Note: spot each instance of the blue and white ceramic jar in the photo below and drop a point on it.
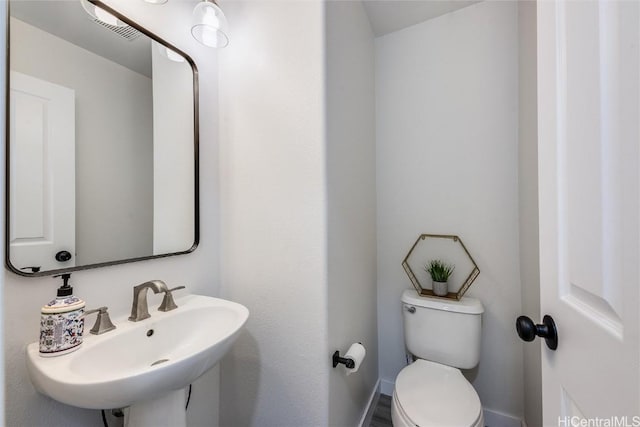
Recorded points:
(61, 326)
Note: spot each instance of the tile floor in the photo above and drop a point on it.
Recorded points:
(382, 413)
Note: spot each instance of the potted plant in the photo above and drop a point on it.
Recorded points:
(440, 273)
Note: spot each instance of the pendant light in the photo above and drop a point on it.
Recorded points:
(209, 24)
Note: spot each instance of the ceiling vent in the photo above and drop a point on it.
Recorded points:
(126, 32)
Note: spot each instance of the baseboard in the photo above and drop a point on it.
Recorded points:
(367, 416)
(498, 419)
(386, 387)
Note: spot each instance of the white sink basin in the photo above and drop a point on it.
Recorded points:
(141, 361)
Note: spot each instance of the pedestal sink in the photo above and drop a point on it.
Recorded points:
(143, 365)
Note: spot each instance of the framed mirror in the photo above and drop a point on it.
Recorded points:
(101, 143)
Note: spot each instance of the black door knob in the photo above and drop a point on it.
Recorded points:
(63, 256)
(527, 330)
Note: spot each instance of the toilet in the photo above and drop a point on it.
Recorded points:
(444, 337)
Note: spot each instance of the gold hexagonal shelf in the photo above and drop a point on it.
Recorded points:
(447, 248)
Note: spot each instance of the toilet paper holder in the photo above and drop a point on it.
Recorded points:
(349, 363)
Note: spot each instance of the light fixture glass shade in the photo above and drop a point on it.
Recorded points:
(101, 15)
(156, 1)
(209, 25)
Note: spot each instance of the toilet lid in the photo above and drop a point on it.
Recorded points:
(435, 395)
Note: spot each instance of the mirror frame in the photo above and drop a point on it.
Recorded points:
(196, 140)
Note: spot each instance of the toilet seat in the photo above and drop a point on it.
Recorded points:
(428, 394)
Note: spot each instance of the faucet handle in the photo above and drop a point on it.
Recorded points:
(103, 322)
(168, 303)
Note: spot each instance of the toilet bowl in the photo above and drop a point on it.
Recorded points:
(429, 394)
(443, 335)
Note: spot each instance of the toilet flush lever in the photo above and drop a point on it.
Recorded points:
(411, 309)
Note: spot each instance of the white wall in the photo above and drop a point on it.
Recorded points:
(447, 163)
(115, 222)
(350, 112)
(274, 220)
(528, 191)
(112, 286)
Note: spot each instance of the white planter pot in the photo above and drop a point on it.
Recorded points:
(440, 289)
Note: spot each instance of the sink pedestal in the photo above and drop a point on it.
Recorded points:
(168, 410)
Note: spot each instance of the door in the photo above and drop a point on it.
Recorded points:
(589, 121)
(42, 181)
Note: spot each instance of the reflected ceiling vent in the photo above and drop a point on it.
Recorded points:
(125, 32)
(109, 21)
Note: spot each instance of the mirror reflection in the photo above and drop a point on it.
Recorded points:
(102, 140)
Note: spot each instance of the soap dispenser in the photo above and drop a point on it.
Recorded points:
(62, 322)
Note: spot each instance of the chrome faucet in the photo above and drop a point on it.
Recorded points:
(140, 308)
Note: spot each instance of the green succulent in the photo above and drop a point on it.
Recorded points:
(439, 270)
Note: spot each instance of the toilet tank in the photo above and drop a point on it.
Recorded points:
(442, 330)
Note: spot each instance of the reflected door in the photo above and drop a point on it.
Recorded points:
(42, 146)
(588, 96)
